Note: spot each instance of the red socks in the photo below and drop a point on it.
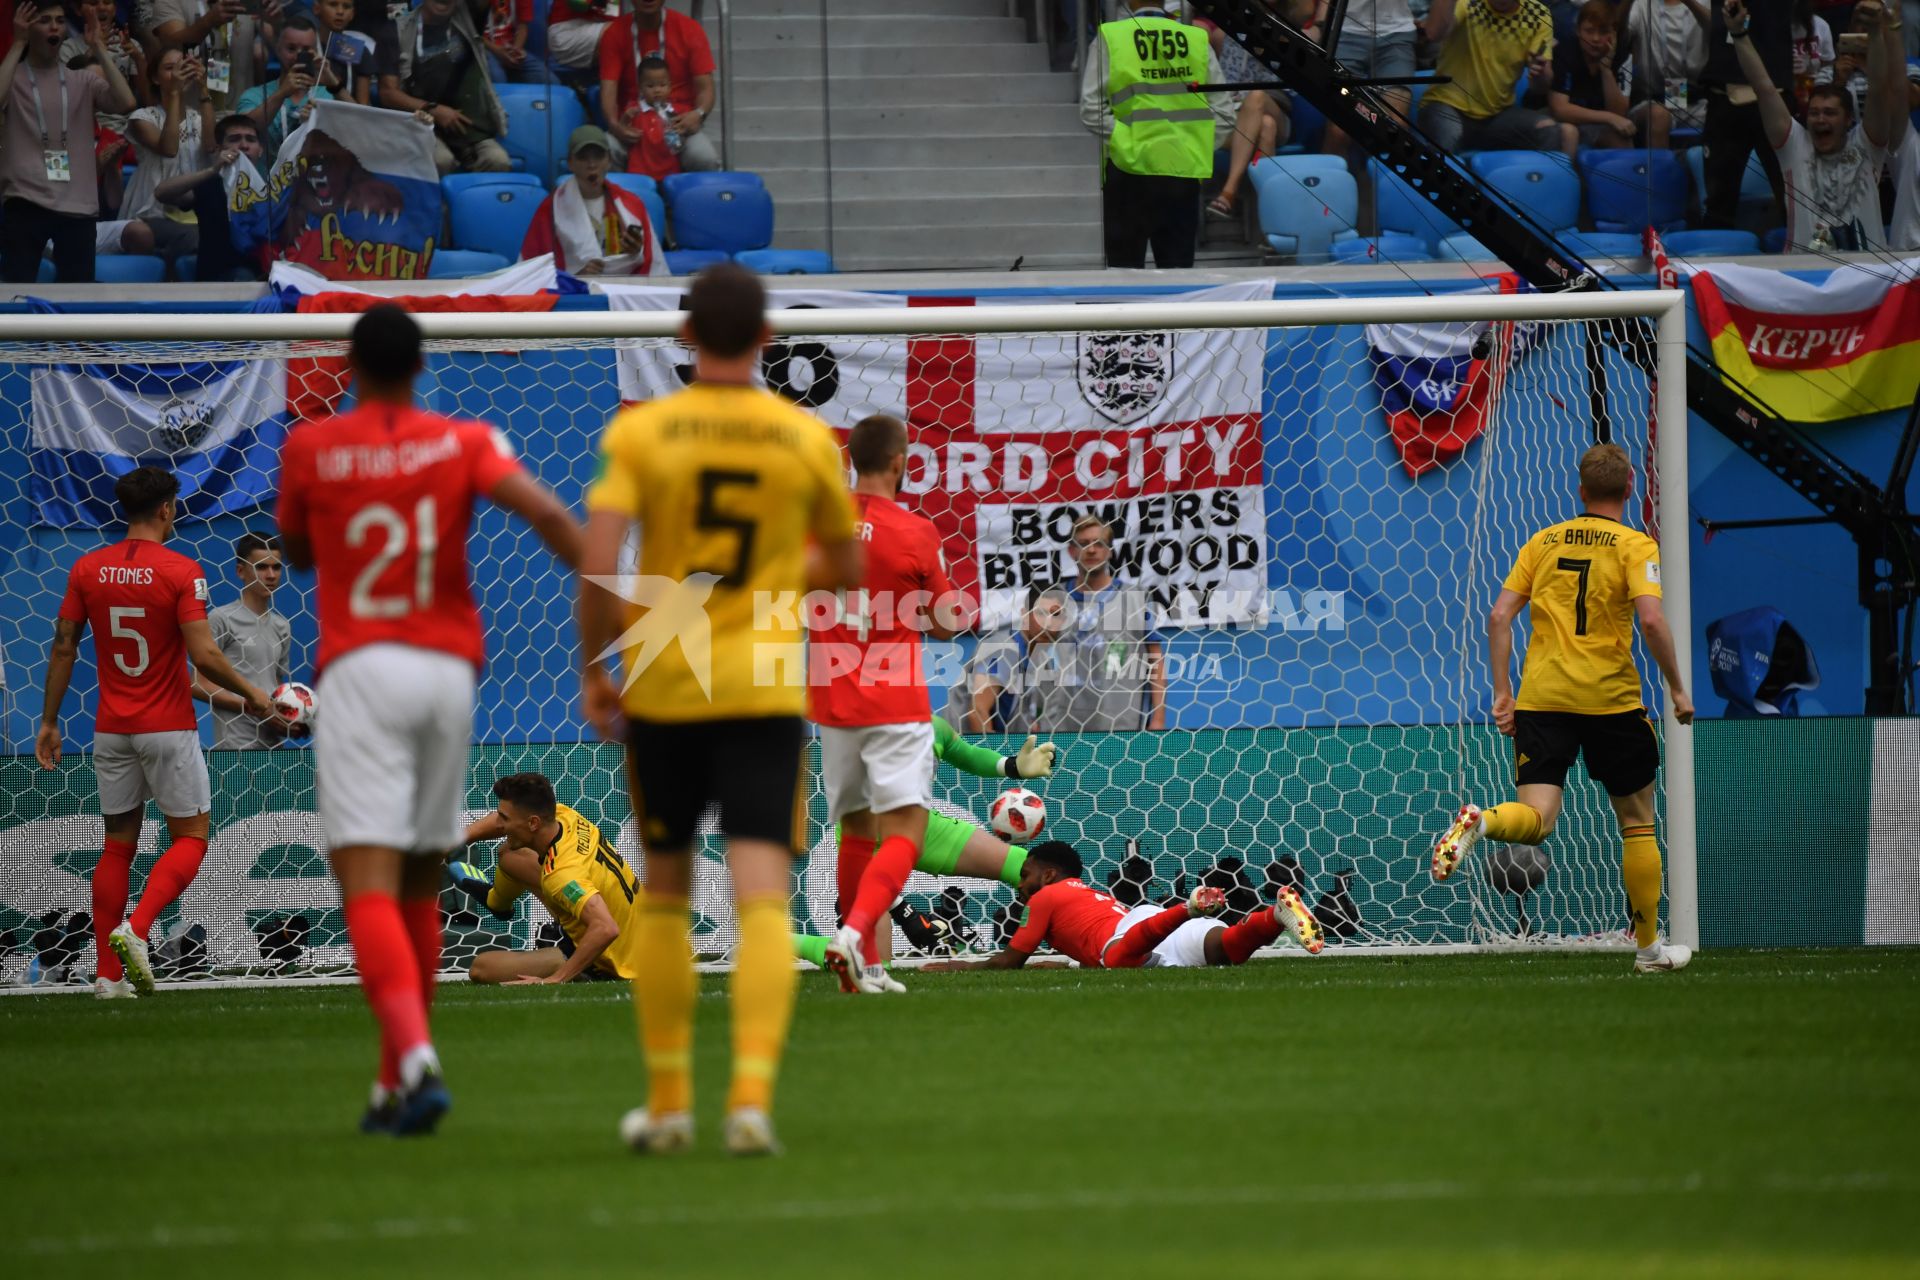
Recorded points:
(389, 974)
(1256, 931)
(855, 853)
(421, 917)
(168, 880)
(110, 877)
(1131, 949)
(886, 876)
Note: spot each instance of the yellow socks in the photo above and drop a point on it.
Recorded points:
(763, 988)
(663, 997)
(1640, 869)
(1515, 823)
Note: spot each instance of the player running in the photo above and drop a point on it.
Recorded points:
(148, 610)
(575, 871)
(1086, 925)
(378, 502)
(726, 482)
(869, 696)
(1586, 580)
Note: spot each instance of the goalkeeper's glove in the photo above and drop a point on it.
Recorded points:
(470, 880)
(924, 932)
(1034, 759)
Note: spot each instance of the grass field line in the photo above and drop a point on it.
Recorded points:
(1038, 1200)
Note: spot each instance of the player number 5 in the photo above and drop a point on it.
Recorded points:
(114, 618)
(361, 601)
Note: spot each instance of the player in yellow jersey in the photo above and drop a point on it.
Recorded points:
(566, 862)
(1586, 581)
(727, 483)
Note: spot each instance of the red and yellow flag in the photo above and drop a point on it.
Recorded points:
(1842, 348)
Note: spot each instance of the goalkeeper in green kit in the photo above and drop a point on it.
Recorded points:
(951, 847)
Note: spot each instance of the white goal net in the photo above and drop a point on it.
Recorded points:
(1310, 507)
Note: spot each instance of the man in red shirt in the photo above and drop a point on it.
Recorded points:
(869, 697)
(379, 502)
(654, 30)
(148, 610)
(1088, 926)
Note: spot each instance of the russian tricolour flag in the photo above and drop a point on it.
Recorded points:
(218, 427)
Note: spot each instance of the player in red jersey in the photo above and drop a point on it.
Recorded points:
(148, 610)
(869, 697)
(1089, 926)
(379, 501)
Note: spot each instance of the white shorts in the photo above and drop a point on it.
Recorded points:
(167, 768)
(390, 742)
(1184, 948)
(878, 767)
(576, 43)
(106, 235)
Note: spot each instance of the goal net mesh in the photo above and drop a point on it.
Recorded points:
(1312, 523)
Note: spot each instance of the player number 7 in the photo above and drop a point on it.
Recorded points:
(1580, 567)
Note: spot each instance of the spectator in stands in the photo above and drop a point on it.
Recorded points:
(507, 25)
(655, 150)
(110, 145)
(574, 28)
(1894, 88)
(1851, 61)
(1831, 164)
(1263, 118)
(168, 140)
(350, 63)
(204, 192)
(1122, 682)
(282, 105)
(1733, 127)
(591, 227)
(653, 30)
(222, 35)
(1812, 53)
(1376, 39)
(47, 162)
(1586, 89)
(1488, 45)
(1668, 40)
(441, 68)
(1007, 682)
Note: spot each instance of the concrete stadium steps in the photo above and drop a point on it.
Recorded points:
(1039, 87)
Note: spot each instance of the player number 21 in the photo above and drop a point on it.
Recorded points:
(394, 534)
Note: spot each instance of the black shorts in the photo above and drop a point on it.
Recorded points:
(1621, 749)
(749, 768)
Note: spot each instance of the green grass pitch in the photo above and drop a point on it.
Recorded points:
(1757, 1115)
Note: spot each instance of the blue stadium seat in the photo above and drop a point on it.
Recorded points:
(493, 217)
(1383, 248)
(1701, 244)
(1483, 163)
(1600, 248)
(1775, 241)
(1754, 187)
(1400, 209)
(129, 268)
(1305, 205)
(455, 264)
(1540, 184)
(674, 183)
(638, 183)
(1629, 190)
(186, 266)
(1464, 248)
(684, 262)
(727, 217)
(786, 262)
(539, 119)
(454, 183)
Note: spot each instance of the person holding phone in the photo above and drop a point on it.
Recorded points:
(222, 36)
(168, 140)
(282, 105)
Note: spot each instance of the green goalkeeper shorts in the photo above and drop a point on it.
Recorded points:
(946, 837)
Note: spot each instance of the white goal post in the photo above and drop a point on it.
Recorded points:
(1317, 586)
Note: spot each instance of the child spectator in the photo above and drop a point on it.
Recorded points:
(1586, 90)
(349, 69)
(204, 191)
(654, 145)
(654, 30)
(574, 28)
(589, 226)
(168, 140)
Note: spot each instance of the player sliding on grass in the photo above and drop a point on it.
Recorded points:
(1586, 580)
(582, 881)
(1084, 924)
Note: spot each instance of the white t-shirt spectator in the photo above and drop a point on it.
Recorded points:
(1376, 18)
(1813, 51)
(1904, 159)
(152, 168)
(1839, 188)
(1668, 43)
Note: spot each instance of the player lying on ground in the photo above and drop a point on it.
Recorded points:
(1585, 581)
(1086, 925)
(952, 847)
(572, 868)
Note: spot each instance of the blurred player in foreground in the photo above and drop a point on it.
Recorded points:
(726, 482)
(1586, 580)
(379, 502)
(1089, 926)
(582, 881)
(148, 610)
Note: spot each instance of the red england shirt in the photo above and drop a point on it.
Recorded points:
(385, 496)
(1075, 919)
(135, 595)
(680, 41)
(865, 668)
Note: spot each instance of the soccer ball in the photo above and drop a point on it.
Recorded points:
(1017, 814)
(295, 704)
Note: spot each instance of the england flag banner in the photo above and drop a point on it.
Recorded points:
(1013, 437)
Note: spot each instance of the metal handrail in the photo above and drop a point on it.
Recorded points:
(726, 82)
